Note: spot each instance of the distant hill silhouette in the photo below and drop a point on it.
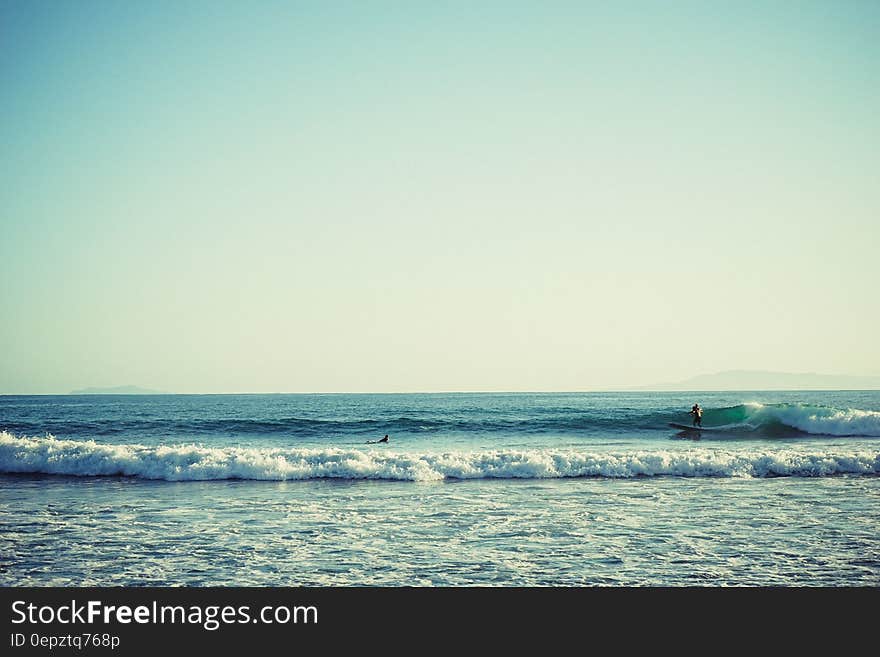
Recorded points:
(118, 390)
(761, 380)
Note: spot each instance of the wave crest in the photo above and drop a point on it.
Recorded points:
(198, 463)
(787, 419)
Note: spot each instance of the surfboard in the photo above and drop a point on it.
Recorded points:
(687, 427)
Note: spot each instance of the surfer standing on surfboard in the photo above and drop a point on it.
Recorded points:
(697, 412)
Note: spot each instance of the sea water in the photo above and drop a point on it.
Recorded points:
(471, 489)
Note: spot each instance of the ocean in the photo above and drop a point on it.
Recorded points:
(472, 489)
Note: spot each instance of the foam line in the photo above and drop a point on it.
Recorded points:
(191, 462)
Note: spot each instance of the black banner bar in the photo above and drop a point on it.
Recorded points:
(149, 621)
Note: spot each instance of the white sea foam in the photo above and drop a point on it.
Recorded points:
(818, 420)
(832, 422)
(191, 462)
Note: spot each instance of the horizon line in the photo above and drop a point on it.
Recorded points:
(434, 392)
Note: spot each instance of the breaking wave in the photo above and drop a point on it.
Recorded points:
(197, 463)
(788, 419)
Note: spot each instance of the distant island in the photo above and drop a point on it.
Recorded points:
(762, 380)
(118, 390)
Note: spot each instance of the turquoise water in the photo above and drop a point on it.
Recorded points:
(519, 489)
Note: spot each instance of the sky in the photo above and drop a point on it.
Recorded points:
(421, 196)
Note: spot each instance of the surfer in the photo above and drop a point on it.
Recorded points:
(697, 412)
(381, 440)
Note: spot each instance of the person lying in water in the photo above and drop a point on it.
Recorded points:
(697, 412)
(381, 440)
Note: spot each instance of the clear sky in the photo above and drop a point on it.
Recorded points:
(419, 196)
